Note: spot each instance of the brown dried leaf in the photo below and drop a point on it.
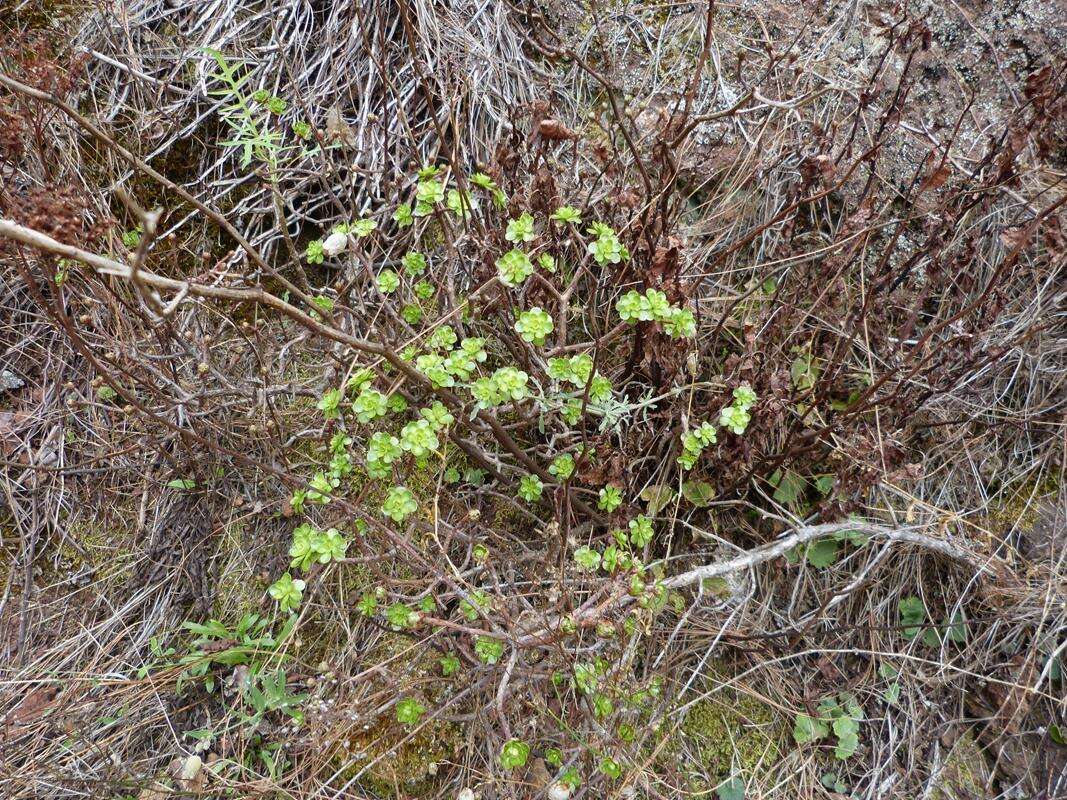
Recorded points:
(555, 131)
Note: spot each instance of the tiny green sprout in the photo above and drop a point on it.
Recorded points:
(442, 338)
(399, 504)
(323, 303)
(656, 305)
(400, 616)
(680, 324)
(602, 705)
(480, 553)
(427, 171)
(403, 216)
(418, 438)
(388, 281)
(397, 404)
(534, 325)
(640, 530)
(302, 550)
(409, 711)
(369, 404)
(567, 215)
(520, 229)
(320, 487)
(530, 488)
(562, 466)
(437, 415)
(744, 397)
(630, 306)
(314, 252)
(132, 238)
(470, 609)
(287, 591)
(569, 778)
(734, 418)
(302, 129)
(460, 203)
(411, 314)
(361, 378)
(547, 262)
(610, 767)
(329, 402)
(414, 263)
(488, 650)
(449, 664)
(367, 604)
(607, 251)
(483, 181)
(514, 754)
(514, 267)
(362, 227)
(587, 558)
(610, 499)
(330, 545)
(428, 193)
(554, 756)
(382, 450)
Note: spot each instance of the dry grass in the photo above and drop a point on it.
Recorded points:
(871, 239)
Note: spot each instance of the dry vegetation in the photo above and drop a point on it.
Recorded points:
(747, 485)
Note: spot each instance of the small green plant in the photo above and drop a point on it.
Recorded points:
(842, 715)
(534, 325)
(567, 215)
(449, 665)
(520, 229)
(488, 650)
(399, 504)
(409, 711)
(414, 263)
(609, 499)
(388, 281)
(562, 466)
(652, 306)
(288, 591)
(530, 488)
(514, 267)
(640, 530)
(606, 247)
(587, 558)
(514, 754)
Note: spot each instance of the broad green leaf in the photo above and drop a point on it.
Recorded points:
(732, 789)
(912, 614)
(957, 629)
(822, 553)
(892, 694)
(808, 729)
(788, 487)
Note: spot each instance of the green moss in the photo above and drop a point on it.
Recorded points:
(731, 732)
(964, 773)
(395, 767)
(1019, 507)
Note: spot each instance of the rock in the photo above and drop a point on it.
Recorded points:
(335, 244)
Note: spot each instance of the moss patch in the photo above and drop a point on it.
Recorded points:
(732, 732)
(964, 774)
